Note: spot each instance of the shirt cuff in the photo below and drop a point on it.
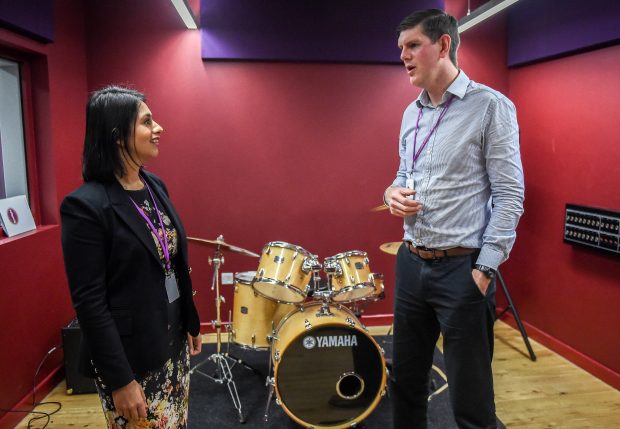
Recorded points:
(490, 257)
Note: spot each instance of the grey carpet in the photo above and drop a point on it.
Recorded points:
(211, 405)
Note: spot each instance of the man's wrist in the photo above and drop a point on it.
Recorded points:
(487, 271)
(385, 201)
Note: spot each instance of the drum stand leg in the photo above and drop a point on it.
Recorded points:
(269, 382)
(222, 372)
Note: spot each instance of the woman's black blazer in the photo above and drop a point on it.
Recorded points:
(116, 281)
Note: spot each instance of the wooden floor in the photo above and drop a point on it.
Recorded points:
(548, 393)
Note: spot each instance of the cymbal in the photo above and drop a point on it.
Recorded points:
(391, 248)
(220, 244)
(379, 208)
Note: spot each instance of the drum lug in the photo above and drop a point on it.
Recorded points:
(307, 324)
(276, 356)
(351, 322)
(278, 402)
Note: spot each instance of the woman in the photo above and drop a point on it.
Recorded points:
(125, 254)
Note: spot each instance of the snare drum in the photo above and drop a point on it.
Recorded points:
(284, 272)
(350, 276)
(328, 371)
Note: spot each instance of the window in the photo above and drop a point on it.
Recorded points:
(13, 171)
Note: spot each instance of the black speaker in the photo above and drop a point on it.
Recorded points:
(76, 382)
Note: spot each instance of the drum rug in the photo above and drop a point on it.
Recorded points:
(211, 405)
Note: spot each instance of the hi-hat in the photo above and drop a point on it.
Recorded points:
(220, 244)
(391, 248)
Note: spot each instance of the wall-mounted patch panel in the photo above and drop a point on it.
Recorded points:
(593, 227)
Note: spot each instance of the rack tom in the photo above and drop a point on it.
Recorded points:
(350, 276)
(284, 272)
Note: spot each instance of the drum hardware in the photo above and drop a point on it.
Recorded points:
(222, 373)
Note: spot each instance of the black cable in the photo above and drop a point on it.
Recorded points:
(39, 414)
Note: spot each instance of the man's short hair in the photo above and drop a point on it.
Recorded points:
(435, 23)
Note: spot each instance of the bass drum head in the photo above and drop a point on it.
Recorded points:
(330, 376)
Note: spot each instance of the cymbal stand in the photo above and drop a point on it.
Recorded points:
(222, 372)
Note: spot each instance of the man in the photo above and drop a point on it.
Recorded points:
(459, 188)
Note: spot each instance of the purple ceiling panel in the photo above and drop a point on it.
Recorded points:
(33, 18)
(305, 30)
(539, 29)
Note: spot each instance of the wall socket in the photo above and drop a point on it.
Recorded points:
(227, 278)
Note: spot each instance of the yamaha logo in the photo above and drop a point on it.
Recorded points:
(309, 342)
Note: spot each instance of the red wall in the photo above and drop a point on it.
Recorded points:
(35, 302)
(262, 152)
(301, 153)
(570, 136)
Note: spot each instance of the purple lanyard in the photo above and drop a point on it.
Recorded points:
(416, 154)
(163, 243)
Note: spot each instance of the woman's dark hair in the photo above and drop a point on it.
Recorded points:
(435, 23)
(110, 117)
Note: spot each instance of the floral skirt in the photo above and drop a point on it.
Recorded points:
(167, 397)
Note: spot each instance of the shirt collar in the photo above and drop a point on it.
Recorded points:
(456, 88)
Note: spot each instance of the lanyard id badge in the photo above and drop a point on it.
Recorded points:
(410, 184)
(172, 289)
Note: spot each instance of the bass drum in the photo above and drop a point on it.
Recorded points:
(328, 371)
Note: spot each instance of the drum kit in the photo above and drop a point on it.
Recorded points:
(325, 369)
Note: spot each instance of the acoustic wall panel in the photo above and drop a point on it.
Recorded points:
(539, 29)
(33, 18)
(305, 30)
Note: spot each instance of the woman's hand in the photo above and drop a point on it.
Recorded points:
(195, 344)
(129, 401)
